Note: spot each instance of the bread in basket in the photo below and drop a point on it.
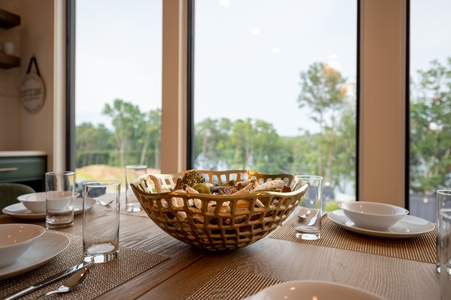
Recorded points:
(218, 222)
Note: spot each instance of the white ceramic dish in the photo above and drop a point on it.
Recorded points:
(18, 210)
(46, 247)
(15, 240)
(308, 290)
(35, 202)
(408, 227)
(373, 215)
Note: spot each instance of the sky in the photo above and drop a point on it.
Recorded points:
(248, 54)
(253, 64)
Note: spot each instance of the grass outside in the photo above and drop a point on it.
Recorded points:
(104, 172)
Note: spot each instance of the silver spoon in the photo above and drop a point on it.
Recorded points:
(304, 216)
(71, 283)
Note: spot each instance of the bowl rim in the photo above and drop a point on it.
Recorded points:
(317, 284)
(302, 186)
(399, 211)
(42, 231)
(24, 197)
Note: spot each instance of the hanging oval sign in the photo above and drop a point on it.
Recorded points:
(32, 93)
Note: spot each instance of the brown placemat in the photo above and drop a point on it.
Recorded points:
(102, 277)
(420, 248)
(233, 285)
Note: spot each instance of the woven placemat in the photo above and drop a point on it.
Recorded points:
(233, 285)
(420, 248)
(102, 277)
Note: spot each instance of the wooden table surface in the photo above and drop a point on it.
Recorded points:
(188, 268)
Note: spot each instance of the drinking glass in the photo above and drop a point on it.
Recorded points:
(101, 223)
(60, 194)
(309, 228)
(132, 172)
(443, 198)
(444, 242)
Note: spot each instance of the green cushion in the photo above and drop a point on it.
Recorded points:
(10, 191)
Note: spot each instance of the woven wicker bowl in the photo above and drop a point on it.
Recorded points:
(209, 227)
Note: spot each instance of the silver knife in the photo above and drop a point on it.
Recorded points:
(45, 282)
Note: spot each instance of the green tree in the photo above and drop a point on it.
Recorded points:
(344, 167)
(223, 147)
(127, 121)
(430, 128)
(302, 152)
(242, 143)
(255, 145)
(93, 144)
(268, 154)
(211, 143)
(151, 129)
(323, 91)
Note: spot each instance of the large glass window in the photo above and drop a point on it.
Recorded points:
(118, 86)
(275, 86)
(430, 104)
(259, 66)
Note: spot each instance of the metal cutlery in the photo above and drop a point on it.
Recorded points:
(304, 216)
(71, 283)
(46, 281)
(313, 219)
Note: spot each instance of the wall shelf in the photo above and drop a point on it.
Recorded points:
(8, 61)
(8, 20)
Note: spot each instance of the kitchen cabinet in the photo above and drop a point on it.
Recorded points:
(27, 167)
(8, 20)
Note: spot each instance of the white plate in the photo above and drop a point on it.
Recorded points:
(307, 290)
(409, 226)
(18, 210)
(46, 247)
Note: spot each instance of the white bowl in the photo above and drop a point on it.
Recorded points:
(308, 290)
(15, 240)
(373, 215)
(35, 202)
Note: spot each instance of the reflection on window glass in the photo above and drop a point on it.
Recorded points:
(430, 105)
(275, 89)
(118, 86)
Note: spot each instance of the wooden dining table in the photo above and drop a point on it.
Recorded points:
(188, 269)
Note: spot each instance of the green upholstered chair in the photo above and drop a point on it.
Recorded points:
(10, 191)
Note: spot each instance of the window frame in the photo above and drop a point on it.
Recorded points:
(70, 85)
(383, 119)
(383, 93)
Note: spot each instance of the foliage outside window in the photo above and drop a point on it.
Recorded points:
(430, 128)
(254, 144)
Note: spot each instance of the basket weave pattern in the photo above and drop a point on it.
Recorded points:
(222, 222)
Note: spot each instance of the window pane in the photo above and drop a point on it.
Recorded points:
(430, 104)
(118, 86)
(275, 88)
